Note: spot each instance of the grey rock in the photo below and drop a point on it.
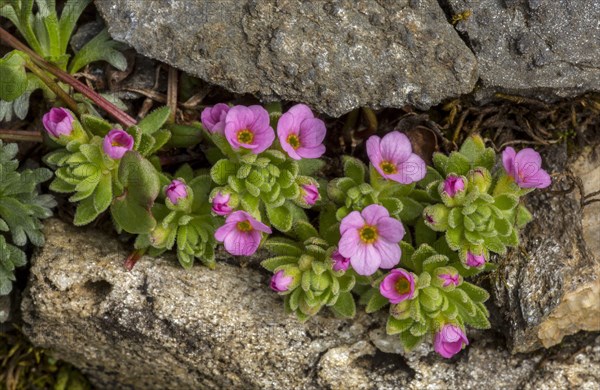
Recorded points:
(540, 48)
(550, 286)
(335, 55)
(159, 327)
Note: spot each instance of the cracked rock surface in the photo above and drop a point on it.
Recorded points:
(335, 55)
(539, 48)
(160, 326)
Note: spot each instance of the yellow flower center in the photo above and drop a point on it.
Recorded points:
(403, 286)
(368, 234)
(388, 168)
(245, 136)
(294, 141)
(244, 226)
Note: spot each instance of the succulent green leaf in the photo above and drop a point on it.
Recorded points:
(376, 302)
(477, 294)
(506, 202)
(273, 263)
(354, 169)
(409, 341)
(458, 164)
(155, 120)
(280, 217)
(95, 125)
(396, 326)
(344, 306)
(310, 166)
(222, 170)
(523, 216)
(131, 210)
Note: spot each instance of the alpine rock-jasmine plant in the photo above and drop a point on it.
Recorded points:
(394, 234)
(268, 179)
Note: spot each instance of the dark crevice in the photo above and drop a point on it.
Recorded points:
(447, 8)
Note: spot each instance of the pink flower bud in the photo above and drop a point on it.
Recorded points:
(58, 121)
(398, 286)
(449, 279)
(310, 194)
(116, 143)
(280, 282)
(450, 340)
(176, 190)
(474, 260)
(213, 118)
(220, 204)
(453, 185)
(340, 263)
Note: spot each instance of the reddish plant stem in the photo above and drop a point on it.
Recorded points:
(63, 76)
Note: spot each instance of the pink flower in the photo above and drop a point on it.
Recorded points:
(58, 121)
(340, 263)
(213, 118)
(176, 191)
(280, 281)
(370, 239)
(398, 286)
(525, 168)
(117, 143)
(450, 279)
(241, 233)
(450, 340)
(220, 204)
(310, 194)
(300, 133)
(393, 158)
(248, 127)
(474, 260)
(453, 185)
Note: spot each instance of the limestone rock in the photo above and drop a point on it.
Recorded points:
(334, 55)
(160, 326)
(540, 48)
(550, 286)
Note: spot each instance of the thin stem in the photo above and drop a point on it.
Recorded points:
(172, 93)
(19, 135)
(65, 97)
(101, 102)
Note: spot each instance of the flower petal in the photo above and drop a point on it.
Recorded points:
(351, 221)
(259, 226)
(242, 243)
(508, 160)
(314, 152)
(390, 229)
(373, 213)
(389, 253)
(349, 242)
(395, 147)
(541, 179)
(365, 260)
(224, 230)
(301, 112)
(312, 132)
(410, 171)
(374, 152)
